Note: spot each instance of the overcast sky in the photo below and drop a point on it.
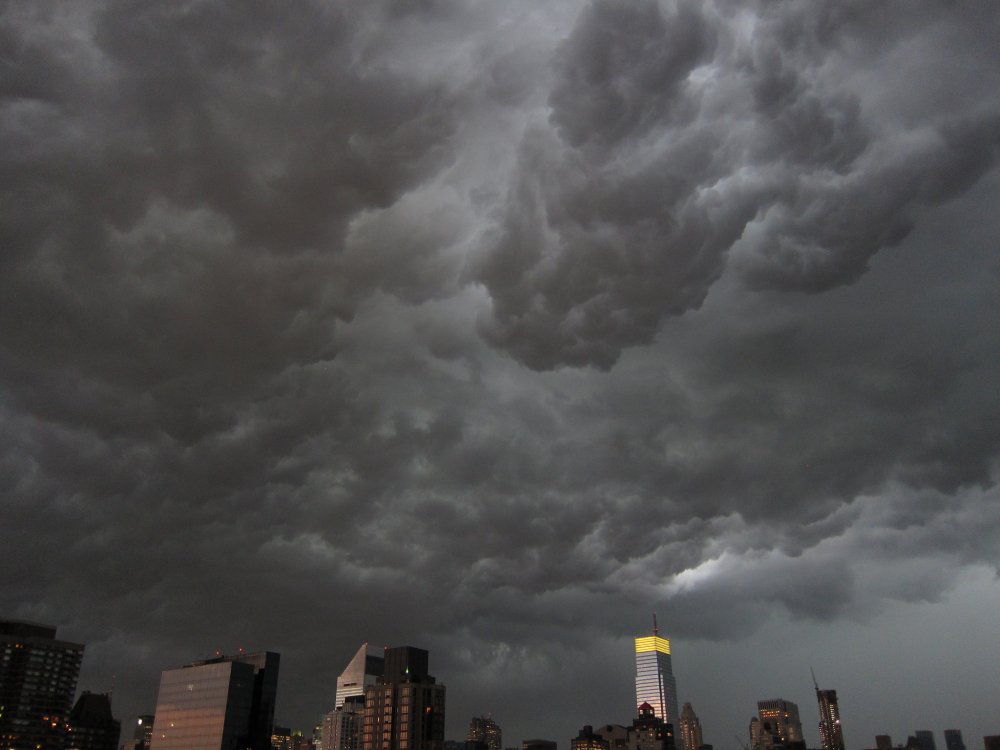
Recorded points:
(495, 326)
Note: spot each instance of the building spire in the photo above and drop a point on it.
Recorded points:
(815, 684)
(656, 630)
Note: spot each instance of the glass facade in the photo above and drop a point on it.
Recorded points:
(204, 707)
(654, 677)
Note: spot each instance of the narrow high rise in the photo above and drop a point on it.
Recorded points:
(831, 734)
(37, 683)
(404, 709)
(690, 729)
(654, 676)
(953, 739)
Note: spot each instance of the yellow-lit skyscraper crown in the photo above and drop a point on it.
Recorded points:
(652, 643)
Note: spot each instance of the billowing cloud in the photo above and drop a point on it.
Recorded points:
(491, 328)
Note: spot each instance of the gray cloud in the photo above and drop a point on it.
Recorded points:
(482, 327)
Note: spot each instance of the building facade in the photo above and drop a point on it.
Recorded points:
(953, 739)
(342, 726)
(654, 676)
(831, 734)
(486, 731)
(778, 724)
(690, 729)
(364, 669)
(650, 732)
(142, 733)
(404, 709)
(225, 703)
(37, 683)
(91, 724)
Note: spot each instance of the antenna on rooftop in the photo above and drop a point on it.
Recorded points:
(815, 684)
(656, 630)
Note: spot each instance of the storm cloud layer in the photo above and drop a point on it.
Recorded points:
(492, 328)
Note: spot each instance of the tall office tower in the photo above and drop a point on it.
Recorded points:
(404, 709)
(883, 742)
(690, 729)
(991, 742)
(363, 669)
(654, 675)
(925, 738)
(37, 682)
(779, 724)
(225, 703)
(953, 739)
(831, 734)
(484, 729)
(650, 732)
(91, 725)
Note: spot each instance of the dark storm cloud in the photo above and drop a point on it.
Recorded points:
(480, 326)
(676, 134)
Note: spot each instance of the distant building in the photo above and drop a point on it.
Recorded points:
(404, 709)
(991, 742)
(225, 703)
(650, 732)
(342, 726)
(538, 745)
(587, 740)
(690, 729)
(654, 676)
(364, 669)
(953, 739)
(883, 742)
(91, 725)
(37, 683)
(777, 725)
(483, 729)
(925, 738)
(281, 738)
(142, 734)
(615, 735)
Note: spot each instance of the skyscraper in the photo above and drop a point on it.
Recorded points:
(654, 676)
(690, 729)
(363, 669)
(404, 709)
(37, 683)
(953, 739)
(925, 738)
(831, 734)
(483, 729)
(225, 703)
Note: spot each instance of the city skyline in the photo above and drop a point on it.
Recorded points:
(495, 327)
